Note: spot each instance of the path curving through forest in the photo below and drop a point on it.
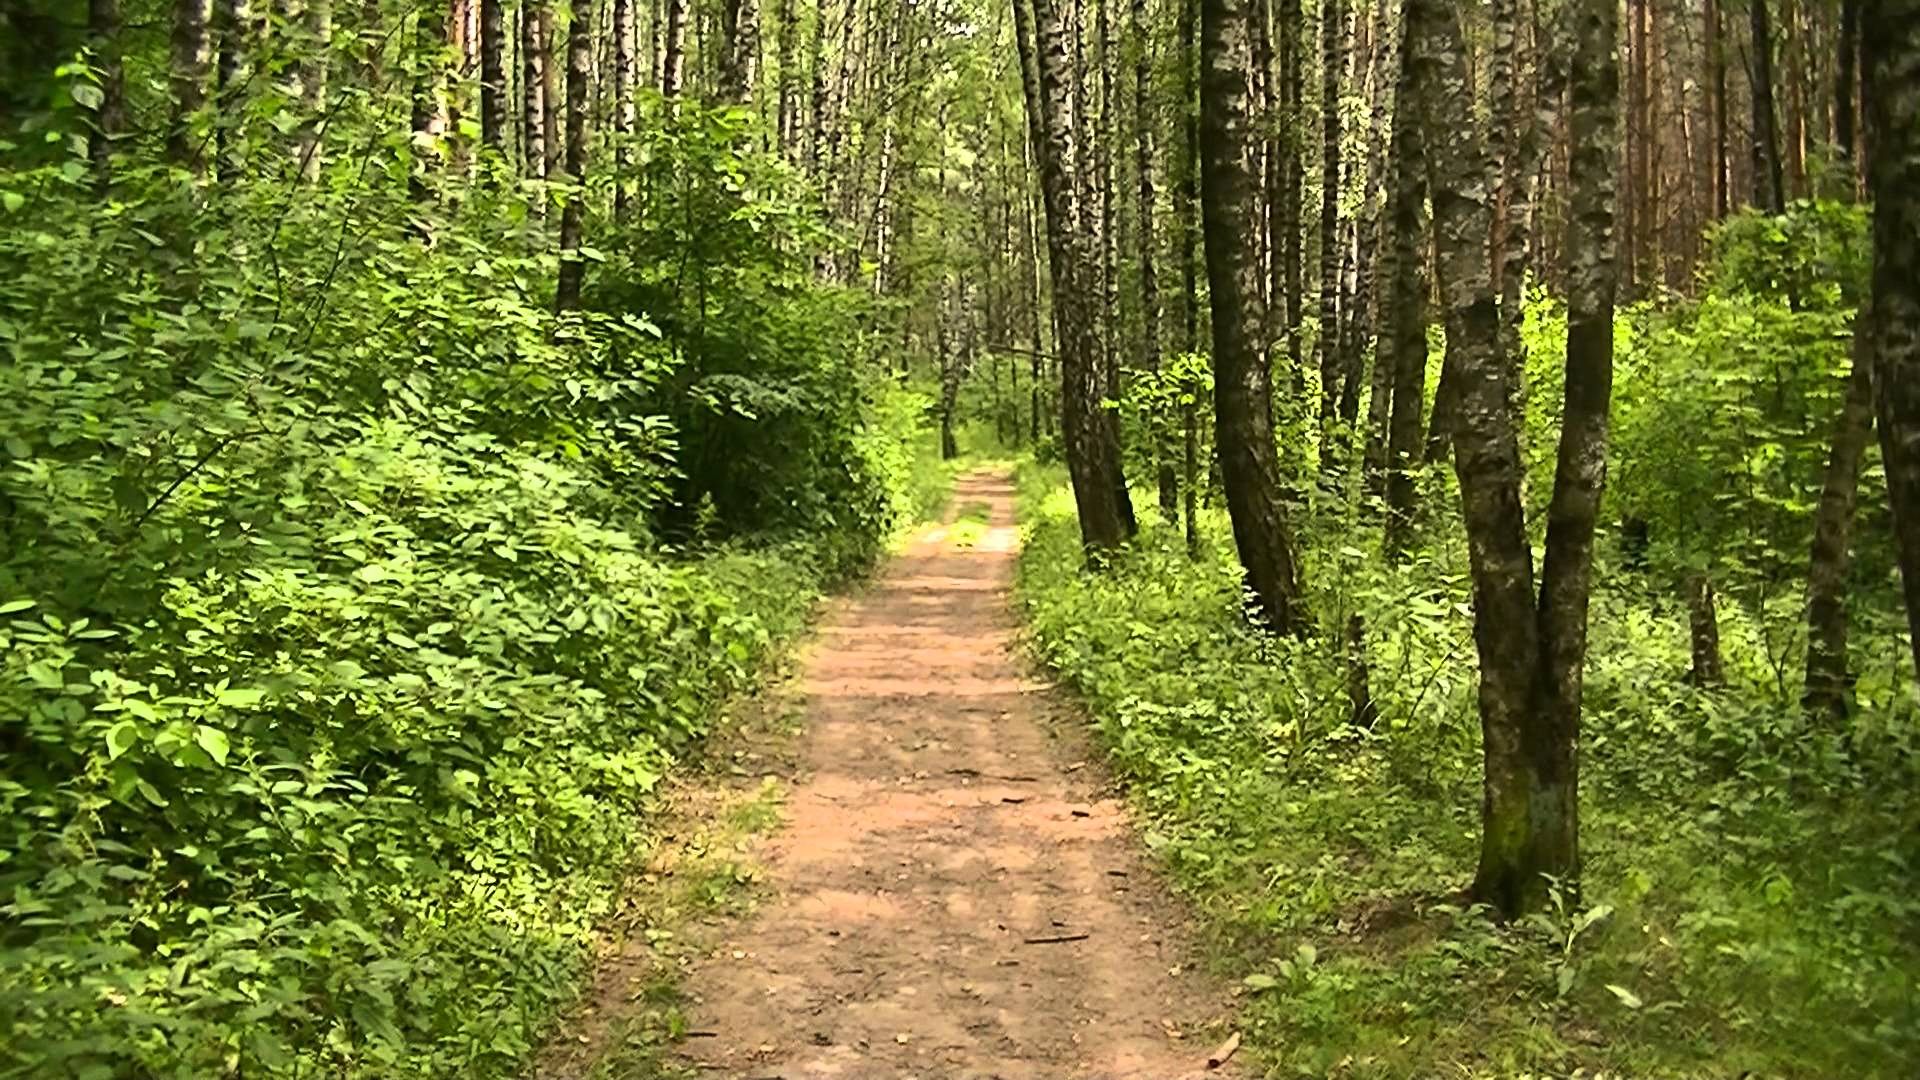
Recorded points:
(955, 896)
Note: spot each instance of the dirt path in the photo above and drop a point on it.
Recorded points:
(955, 898)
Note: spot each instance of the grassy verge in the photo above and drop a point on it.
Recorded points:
(1747, 905)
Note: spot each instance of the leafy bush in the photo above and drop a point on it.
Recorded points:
(1745, 874)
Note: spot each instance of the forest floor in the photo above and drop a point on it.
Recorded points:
(953, 890)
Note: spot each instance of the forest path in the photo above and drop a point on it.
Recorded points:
(955, 896)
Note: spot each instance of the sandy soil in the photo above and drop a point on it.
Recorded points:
(955, 895)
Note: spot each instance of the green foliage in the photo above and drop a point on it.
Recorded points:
(1816, 255)
(1745, 873)
(342, 644)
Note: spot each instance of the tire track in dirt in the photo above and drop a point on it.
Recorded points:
(955, 897)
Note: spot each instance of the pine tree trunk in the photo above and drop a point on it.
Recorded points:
(1890, 55)
(741, 19)
(1327, 344)
(1828, 682)
(1769, 184)
(493, 74)
(579, 75)
(1243, 405)
(1092, 457)
(1406, 344)
(110, 118)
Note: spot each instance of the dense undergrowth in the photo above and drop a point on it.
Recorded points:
(352, 603)
(1745, 905)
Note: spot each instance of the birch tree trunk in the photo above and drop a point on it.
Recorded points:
(1406, 344)
(1243, 398)
(1144, 240)
(534, 57)
(579, 74)
(493, 74)
(110, 116)
(673, 49)
(741, 20)
(1327, 344)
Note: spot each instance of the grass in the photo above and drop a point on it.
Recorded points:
(1748, 904)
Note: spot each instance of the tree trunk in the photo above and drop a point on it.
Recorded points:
(741, 19)
(1828, 682)
(1844, 78)
(233, 24)
(623, 105)
(673, 49)
(429, 34)
(1407, 307)
(1717, 87)
(817, 130)
(493, 74)
(534, 57)
(310, 76)
(1144, 249)
(1243, 405)
(1703, 631)
(1287, 201)
(110, 116)
(788, 122)
(579, 74)
(1092, 457)
(1890, 54)
(1186, 208)
(1769, 184)
(1332, 52)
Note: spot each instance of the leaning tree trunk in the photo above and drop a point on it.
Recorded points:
(1827, 681)
(1092, 456)
(579, 74)
(1243, 397)
(1890, 55)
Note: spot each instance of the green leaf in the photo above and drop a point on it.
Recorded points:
(12, 200)
(120, 737)
(214, 742)
(1627, 997)
(239, 697)
(12, 606)
(1259, 981)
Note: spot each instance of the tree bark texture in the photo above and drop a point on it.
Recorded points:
(1827, 680)
(579, 77)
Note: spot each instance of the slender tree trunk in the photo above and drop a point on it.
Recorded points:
(1828, 681)
(429, 39)
(788, 123)
(1145, 247)
(673, 49)
(233, 23)
(817, 70)
(1717, 89)
(579, 75)
(623, 105)
(1703, 630)
(550, 93)
(1092, 457)
(534, 58)
(110, 117)
(493, 74)
(1287, 202)
(1407, 306)
(1769, 184)
(1332, 54)
(1890, 54)
(1243, 405)
(742, 70)
(309, 83)
(1186, 209)
(1844, 79)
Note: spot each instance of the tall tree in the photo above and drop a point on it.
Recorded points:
(1327, 345)
(1406, 345)
(1532, 651)
(308, 82)
(1844, 79)
(1093, 460)
(579, 76)
(493, 74)
(427, 119)
(1285, 202)
(1769, 181)
(1243, 405)
(623, 107)
(110, 114)
(673, 49)
(534, 58)
(234, 31)
(1827, 679)
(1145, 245)
(741, 21)
(1890, 55)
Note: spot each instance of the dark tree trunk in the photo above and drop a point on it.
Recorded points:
(493, 74)
(1286, 202)
(110, 118)
(190, 56)
(550, 93)
(623, 105)
(1769, 182)
(1186, 208)
(1828, 681)
(1703, 629)
(233, 25)
(1844, 79)
(1243, 405)
(1890, 54)
(1092, 456)
(1332, 52)
(429, 34)
(741, 20)
(788, 122)
(1717, 88)
(579, 74)
(1406, 345)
